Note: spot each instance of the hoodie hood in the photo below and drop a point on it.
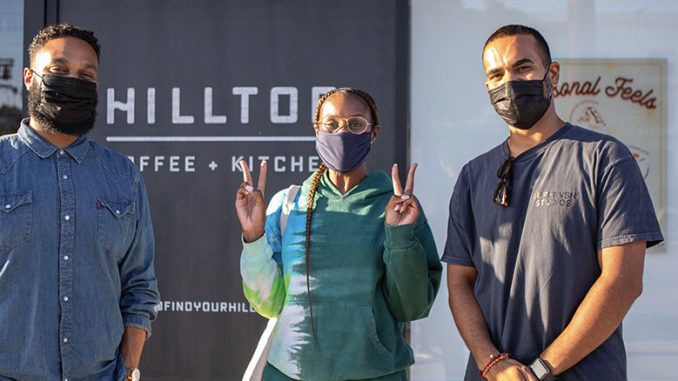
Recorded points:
(374, 186)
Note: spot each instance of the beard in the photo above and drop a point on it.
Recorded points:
(50, 124)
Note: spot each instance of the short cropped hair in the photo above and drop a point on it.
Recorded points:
(62, 30)
(516, 29)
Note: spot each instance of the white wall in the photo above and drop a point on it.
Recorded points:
(452, 122)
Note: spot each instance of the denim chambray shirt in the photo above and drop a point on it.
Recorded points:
(76, 259)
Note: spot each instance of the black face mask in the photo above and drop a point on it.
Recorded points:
(522, 103)
(63, 105)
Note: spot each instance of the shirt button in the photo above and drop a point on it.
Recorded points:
(65, 339)
(65, 177)
(61, 152)
(67, 217)
(65, 257)
(8, 206)
(117, 211)
(65, 298)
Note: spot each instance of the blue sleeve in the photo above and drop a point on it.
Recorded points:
(139, 286)
(625, 211)
(461, 226)
(272, 229)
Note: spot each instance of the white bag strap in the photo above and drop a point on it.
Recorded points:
(255, 368)
(287, 206)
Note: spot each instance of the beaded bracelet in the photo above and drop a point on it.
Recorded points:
(493, 361)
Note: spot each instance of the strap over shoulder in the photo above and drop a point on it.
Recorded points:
(287, 206)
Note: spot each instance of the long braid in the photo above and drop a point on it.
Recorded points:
(309, 214)
(316, 182)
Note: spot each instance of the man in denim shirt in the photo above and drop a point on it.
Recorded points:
(77, 286)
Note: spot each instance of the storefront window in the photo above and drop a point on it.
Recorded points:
(615, 43)
(11, 63)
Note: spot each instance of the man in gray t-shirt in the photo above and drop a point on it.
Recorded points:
(547, 233)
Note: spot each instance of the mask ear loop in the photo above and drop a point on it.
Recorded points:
(36, 73)
(39, 76)
(548, 87)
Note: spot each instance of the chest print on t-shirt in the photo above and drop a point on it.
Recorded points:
(562, 199)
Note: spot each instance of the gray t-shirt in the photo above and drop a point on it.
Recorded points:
(574, 194)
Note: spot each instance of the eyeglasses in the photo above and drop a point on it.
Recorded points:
(503, 192)
(354, 124)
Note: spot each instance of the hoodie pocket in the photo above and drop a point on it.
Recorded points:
(346, 346)
(16, 214)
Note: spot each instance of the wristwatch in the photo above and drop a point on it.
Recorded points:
(540, 369)
(133, 374)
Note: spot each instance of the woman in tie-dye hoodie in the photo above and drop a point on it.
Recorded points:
(353, 261)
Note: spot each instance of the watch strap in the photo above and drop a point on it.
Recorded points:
(541, 370)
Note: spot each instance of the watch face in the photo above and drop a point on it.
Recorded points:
(136, 375)
(540, 369)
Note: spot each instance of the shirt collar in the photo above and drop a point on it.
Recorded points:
(44, 149)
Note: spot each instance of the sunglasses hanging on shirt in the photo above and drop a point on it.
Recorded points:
(502, 193)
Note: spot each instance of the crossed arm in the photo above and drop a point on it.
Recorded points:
(598, 315)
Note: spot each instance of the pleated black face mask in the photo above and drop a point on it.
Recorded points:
(522, 103)
(67, 100)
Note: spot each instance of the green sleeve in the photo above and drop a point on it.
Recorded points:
(413, 270)
(262, 277)
(261, 264)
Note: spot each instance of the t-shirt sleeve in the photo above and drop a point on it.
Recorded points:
(625, 211)
(460, 227)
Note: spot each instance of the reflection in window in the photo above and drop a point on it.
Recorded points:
(11, 58)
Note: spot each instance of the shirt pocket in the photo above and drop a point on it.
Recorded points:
(115, 225)
(16, 214)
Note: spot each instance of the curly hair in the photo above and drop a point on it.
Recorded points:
(51, 32)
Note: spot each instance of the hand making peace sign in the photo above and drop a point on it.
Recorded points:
(403, 208)
(250, 204)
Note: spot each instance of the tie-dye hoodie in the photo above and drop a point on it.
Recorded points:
(366, 279)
